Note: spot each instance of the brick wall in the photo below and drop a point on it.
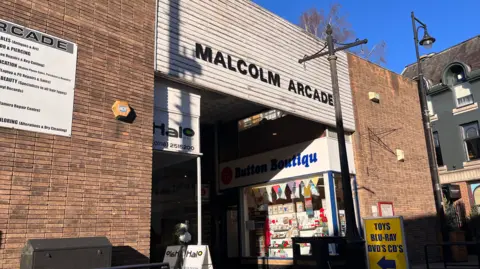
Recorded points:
(98, 181)
(465, 201)
(381, 128)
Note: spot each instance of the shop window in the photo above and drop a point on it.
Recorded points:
(454, 75)
(463, 96)
(471, 138)
(431, 112)
(438, 150)
(277, 212)
(257, 119)
(476, 196)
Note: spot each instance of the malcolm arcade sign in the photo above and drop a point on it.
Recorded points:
(240, 49)
(385, 243)
(227, 61)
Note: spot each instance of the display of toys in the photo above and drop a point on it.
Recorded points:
(300, 207)
(279, 235)
(274, 209)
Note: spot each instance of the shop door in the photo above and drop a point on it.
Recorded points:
(232, 233)
(229, 239)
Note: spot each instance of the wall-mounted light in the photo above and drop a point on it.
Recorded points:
(374, 97)
(400, 155)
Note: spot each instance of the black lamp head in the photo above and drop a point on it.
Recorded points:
(427, 40)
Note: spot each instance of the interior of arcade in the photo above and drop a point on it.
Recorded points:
(234, 219)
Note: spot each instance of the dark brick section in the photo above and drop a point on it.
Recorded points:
(381, 128)
(97, 182)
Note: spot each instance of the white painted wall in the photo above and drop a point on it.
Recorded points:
(246, 31)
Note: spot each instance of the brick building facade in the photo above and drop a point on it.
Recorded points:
(393, 123)
(98, 182)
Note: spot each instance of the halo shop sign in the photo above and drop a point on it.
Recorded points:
(176, 122)
(37, 80)
(385, 243)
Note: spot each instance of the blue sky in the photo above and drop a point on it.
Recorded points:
(450, 22)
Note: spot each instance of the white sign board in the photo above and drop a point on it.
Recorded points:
(37, 80)
(176, 132)
(171, 255)
(176, 121)
(319, 155)
(195, 257)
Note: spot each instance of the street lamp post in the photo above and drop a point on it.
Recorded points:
(355, 242)
(427, 42)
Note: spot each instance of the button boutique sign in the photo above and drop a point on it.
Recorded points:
(37, 79)
(292, 161)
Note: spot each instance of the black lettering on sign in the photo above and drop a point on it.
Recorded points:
(382, 226)
(241, 64)
(300, 88)
(291, 86)
(205, 55)
(230, 65)
(220, 60)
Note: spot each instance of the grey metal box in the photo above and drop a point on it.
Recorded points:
(67, 253)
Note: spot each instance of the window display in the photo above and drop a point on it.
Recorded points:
(277, 212)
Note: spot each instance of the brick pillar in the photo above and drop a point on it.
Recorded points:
(98, 182)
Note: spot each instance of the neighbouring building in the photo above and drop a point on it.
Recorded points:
(453, 80)
(201, 93)
(384, 131)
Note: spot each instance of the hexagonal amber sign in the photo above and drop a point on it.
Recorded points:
(121, 109)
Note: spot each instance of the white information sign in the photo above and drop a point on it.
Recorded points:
(171, 255)
(176, 132)
(176, 120)
(195, 257)
(37, 80)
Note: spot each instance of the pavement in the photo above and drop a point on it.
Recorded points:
(471, 264)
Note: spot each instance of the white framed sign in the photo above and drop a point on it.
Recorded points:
(198, 257)
(195, 257)
(37, 80)
(176, 132)
(176, 120)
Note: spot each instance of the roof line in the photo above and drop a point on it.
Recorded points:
(445, 50)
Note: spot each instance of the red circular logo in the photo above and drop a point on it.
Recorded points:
(226, 176)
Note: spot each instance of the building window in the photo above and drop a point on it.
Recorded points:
(455, 77)
(463, 96)
(430, 106)
(438, 150)
(476, 196)
(471, 140)
(257, 119)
